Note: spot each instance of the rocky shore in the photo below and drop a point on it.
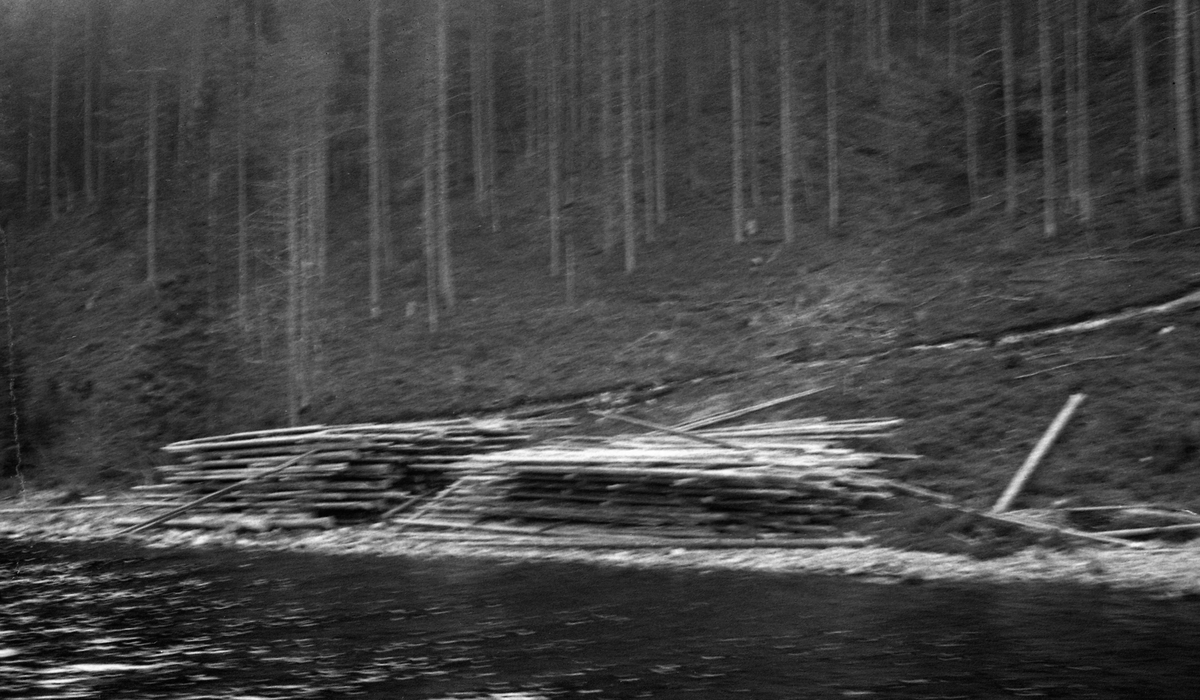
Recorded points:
(1167, 570)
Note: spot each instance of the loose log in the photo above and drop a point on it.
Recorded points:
(204, 499)
(1039, 451)
(1142, 531)
(730, 415)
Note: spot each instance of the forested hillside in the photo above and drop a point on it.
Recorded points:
(237, 214)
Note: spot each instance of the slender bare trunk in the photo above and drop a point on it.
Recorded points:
(477, 109)
(1183, 114)
(532, 122)
(89, 103)
(736, 107)
(787, 147)
(971, 114)
(1008, 57)
(646, 123)
(691, 76)
(374, 174)
(52, 165)
(1046, 75)
(429, 222)
(1141, 92)
(1083, 128)
(292, 329)
(445, 270)
(627, 108)
(607, 46)
(211, 215)
(753, 111)
(889, 132)
(660, 113)
(243, 219)
(152, 182)
(554, 120)
(832, 151)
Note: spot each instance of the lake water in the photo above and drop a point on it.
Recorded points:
(89, 621)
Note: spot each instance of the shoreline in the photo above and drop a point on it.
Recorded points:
(1168, 571)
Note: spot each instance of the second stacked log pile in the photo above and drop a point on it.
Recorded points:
(792, 477)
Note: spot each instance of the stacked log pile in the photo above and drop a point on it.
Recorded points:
(346, 472)
(786, 477)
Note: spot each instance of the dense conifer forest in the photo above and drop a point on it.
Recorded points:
(240, 214)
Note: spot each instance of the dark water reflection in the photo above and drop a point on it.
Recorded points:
(108, 622)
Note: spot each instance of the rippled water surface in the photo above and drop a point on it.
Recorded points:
(83, 621)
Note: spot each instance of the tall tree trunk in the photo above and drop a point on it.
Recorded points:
(787, 146)
(532, 112)
(691, 75)
(152, 182)
(211, 216)
(318, 173)
(1084, 129)
(569, 146)
(489, 126)
(971, 113)
(52, 165)
(243, 219)
(89, 102)
(646, 122)
(1070, 90)
(554, 121)
(484, 79)
(1183, 114)
(753, 111)
(429, 221)
(736, 107)
(374, 164)
(607, 181)
(293, 332)
(889, 132)
(627, 108)
(99, 122)
(1008, 57)
(660, 113)
(1046, 75)
(477, 109)
(1141, 92)
(832, 151)
(445, 270)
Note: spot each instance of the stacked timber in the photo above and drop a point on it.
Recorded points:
(786, 477)
(344, 472)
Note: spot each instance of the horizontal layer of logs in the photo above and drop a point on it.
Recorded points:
(340, 472)
(785, 477)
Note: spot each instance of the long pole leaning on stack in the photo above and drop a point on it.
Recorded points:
(215, 494)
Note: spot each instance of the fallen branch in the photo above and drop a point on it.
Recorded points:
(671, 431)
(84, 506)
(1042, 527)
(1140, 531)
(1039, 451)
(738, 413)
(1067, 364)
(619, 542)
